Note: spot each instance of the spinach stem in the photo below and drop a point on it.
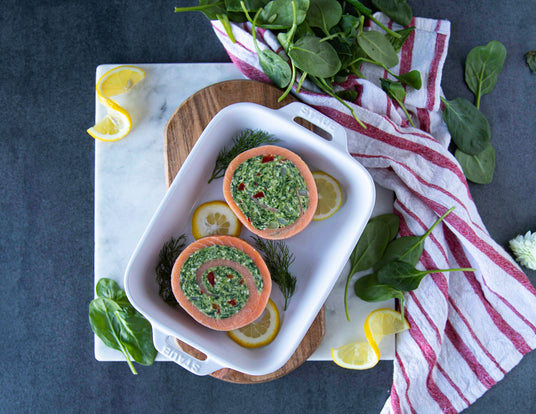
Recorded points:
(462, 269)
(290, 84)
(439, 220)
(362, 9)
(224, 19)
(428, 232)
(302, 78)
(346, 295)
(294, 26)
(289, 41)
(405, 111)
(197, 8)
(121, 346)
(479, 89)
(322, 84)
(350, 274)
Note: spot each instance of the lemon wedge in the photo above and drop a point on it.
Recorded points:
(213, 218)
(260, 332)
(365, 355)
(329, 195)
(384, 322)
(117, 122)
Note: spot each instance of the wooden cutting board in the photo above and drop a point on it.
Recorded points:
(181, 132)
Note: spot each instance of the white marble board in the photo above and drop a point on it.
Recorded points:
(130, 183)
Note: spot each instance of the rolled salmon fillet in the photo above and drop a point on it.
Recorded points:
(222, 282)
(272, 192)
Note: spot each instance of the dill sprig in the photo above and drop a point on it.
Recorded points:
(166, 259)
(278, 259)
(244, 141)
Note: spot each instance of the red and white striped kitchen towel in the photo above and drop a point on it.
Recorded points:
(468, 329)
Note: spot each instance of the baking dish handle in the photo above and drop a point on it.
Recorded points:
(166, 345)
(300, 110)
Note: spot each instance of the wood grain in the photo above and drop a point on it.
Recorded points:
(182, 131)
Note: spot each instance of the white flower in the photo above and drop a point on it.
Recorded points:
(524, 247)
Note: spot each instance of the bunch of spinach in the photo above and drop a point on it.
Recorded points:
(392, 260)
(324, 39)
(468, 127)
(115, 321)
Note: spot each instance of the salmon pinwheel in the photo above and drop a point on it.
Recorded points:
(272, 191)
(222, 282)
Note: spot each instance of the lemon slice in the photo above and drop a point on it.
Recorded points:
(329, 195)
(365, 355)
(117, 122)
(357, 355)
(119, 80)
(260, 332)
(213, 218)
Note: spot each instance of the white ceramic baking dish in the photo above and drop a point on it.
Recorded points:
(321, 250)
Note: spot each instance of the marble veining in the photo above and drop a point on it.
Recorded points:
(130, 183)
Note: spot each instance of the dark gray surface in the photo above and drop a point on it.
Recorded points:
(50, 50)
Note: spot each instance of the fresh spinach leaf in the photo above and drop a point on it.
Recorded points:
(391, 220)
(396, 91)
(478, 168)
(408, 248)
(137, 335)
(324, 14)
(530, 58)
(273, 65)
(468, 127)
(315, 57)
(367, 252)
(404, 276)
(397, 42)
(398, 10)
(482, 68)
(347, 95)
(349, 25)
(104, 324)
(411, 78)
(285, 38)
(120, 326)
(378, 48)
(370, 247)
(278, 14)
(369, 289)
(395, 272)
(108, 288)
